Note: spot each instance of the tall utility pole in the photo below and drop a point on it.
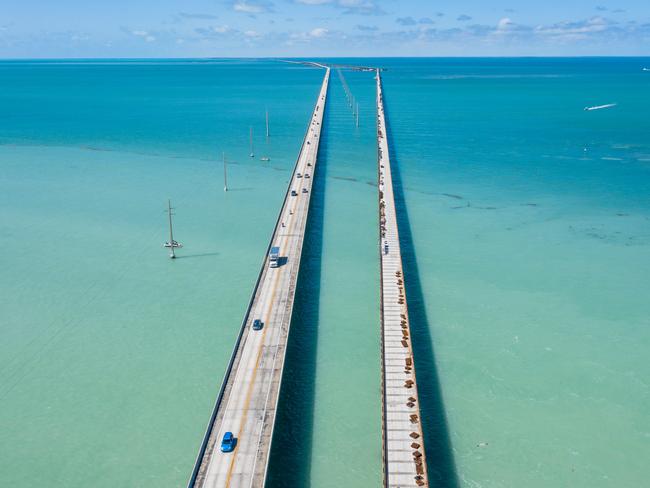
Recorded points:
(225, 173)
(252, 155)
(172, 244)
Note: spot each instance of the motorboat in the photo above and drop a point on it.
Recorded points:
(599, 107)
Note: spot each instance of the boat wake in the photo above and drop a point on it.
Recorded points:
(600, 107)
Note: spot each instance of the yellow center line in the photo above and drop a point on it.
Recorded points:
(291, 208)
(250, 390)
(257, 361)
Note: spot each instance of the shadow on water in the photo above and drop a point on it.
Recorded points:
(440, 457)
(203, 255)
(291, 451)
(246, 188)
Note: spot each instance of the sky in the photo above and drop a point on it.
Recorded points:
(314, 28)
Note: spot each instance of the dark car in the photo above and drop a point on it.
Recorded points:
(257, 324)
(228, 442)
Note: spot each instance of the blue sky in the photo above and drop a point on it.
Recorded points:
(225, 28)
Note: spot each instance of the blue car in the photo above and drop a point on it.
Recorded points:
(257, 324)
(228, 442)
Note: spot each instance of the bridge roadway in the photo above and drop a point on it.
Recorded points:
(247, 403)
(403, 446)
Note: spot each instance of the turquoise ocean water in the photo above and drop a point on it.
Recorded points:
(526, 223)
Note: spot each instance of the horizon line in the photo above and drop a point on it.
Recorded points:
(523, 56)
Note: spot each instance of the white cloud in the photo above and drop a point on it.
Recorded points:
(144, 35)
(575, 30)
(252, 6)
(221, 29)
(506, 26)
(348, 6)
(318, 32)
(247, 8)
(505, 23)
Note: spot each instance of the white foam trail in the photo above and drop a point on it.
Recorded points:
(599, 107)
